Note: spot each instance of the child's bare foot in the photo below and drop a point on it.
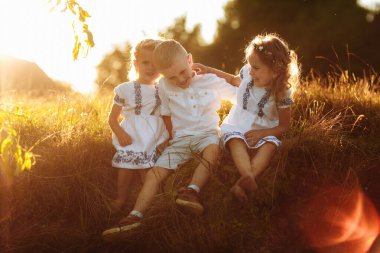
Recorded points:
(239, 193)
(243, 187)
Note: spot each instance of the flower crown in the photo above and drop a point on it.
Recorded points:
(262, 49)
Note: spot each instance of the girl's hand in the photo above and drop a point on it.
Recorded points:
(253, 136)
(200, 68)
(124, 139)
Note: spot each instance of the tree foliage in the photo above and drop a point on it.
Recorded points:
(114, 68)
(328, 35)
(332, 29)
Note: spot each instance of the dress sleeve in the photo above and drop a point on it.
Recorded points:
(164, 107)
(287, 101)
(119, 98)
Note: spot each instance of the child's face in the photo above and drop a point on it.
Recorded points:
(180, 72)
(261, 73)
(145, 68)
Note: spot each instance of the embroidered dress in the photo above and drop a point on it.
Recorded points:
(142, 122)
(255, 109)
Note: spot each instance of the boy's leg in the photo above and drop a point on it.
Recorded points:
(188, 196)
(208, 163)
(151, 186)
(123, 181)
(262, 158)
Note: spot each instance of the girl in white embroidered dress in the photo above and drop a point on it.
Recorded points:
(142, 133)
(262, 113)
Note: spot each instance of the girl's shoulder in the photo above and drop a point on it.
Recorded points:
(244, 72)
(124, 86)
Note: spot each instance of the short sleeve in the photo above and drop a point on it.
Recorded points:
(118, 98)
(164, 107)
(287, 101)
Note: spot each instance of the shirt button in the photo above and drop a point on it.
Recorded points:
(191, 97)
(194, 106)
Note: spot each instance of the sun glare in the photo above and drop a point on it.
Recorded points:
(341, 220)
(31, 32)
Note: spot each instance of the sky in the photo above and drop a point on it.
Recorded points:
(31, 32)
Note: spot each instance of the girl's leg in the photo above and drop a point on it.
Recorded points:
(123, 181)
(142, 175)
(153, 179)
(246, 183)
(209, 161)
(262, 158)
(240, 156)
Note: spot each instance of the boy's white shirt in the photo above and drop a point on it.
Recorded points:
(194, 110)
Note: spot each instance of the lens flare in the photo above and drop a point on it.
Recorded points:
(340, 219)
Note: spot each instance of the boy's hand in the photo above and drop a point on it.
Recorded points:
(124, 139)
(200, 68)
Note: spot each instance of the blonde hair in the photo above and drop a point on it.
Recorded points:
(165, 52)
(145, 44)
(275, 53)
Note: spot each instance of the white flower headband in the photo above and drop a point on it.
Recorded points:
(261, 49)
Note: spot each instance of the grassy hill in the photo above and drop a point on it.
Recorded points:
(20, 77)
(325, 174)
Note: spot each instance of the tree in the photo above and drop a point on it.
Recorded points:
(313, 28)
(114, 68)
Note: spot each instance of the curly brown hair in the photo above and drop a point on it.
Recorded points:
(275, 53)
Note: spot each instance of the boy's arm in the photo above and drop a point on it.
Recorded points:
(231, 79)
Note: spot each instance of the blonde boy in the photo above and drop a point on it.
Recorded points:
(189, 105)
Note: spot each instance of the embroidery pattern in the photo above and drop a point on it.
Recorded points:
(241, 74)
(135, 158)
(158, 100)
(246, 95)
(138, 98)
(262, 103)
(226, 136)
(286, 102)
(119, 100)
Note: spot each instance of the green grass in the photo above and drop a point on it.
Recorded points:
(62, 204)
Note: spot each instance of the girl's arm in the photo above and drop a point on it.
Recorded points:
(202, 69)
(122, 136)
(168, 123)
(284, 114)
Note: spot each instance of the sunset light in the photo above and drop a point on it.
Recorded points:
(190, 126)
(31, 32)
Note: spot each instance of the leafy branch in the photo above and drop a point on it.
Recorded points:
(83, 36)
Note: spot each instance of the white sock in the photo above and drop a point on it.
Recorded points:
(136, 213)
(194, 187)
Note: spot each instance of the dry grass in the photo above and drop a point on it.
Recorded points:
(61, 205)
